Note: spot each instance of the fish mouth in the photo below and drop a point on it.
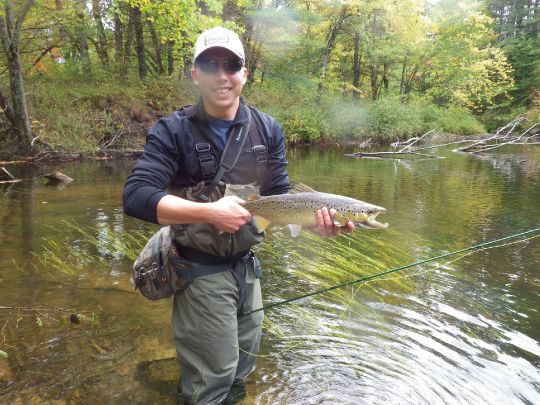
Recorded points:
(370, 222)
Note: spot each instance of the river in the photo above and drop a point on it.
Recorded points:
(460, 330)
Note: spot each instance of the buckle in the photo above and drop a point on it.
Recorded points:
(202, 147)
(259, 149)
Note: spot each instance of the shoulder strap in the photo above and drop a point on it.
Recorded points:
(231, 153)
(207, 163)
(261, 154)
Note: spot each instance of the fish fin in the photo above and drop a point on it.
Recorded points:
(260, 223)
(295, 229)
(253, 197)
(340, 220)
(301, 188)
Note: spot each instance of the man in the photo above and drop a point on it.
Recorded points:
(215, 343)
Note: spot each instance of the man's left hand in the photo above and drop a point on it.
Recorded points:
(325, 224)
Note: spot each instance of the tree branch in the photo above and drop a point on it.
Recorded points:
(20, 19)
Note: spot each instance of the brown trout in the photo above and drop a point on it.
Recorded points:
(298, 209)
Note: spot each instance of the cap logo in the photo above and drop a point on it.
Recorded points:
(218, 38)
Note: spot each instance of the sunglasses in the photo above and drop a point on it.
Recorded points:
(211, 66)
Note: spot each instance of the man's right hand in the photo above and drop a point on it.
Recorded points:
(227, 215)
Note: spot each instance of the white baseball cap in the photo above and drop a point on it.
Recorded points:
(219, 37)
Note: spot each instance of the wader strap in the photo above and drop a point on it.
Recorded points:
(207, 163)
(200, 270)
(206, 160)
(239, 273)
(259, 149)
(209, 169)
(196, 256)
(233, 148)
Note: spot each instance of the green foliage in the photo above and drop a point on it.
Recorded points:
(305, 119)
(455, 57)
(390, 119)
(465, 69)
(459, 120)
(524, 54)
(75, 116)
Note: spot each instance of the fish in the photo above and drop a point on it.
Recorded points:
(298, 209)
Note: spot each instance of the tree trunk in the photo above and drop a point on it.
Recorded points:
(170, 58)
(385, 77)
(374, 73)
(332, 35)
(118, 39)
(82, 38)
(139, 41)
(101, 43)
(10, 30)
(410, 79)
(356, 66)
(126, 63)
(61, 28)
(157, 48)
(403, 77)
(252, 50)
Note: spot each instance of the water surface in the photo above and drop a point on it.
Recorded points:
(461, 330)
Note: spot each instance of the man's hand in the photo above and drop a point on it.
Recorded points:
(325, 224)
(228, 215)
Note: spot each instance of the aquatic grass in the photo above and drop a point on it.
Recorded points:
(84, 247)
(310, 263)
(73, 260)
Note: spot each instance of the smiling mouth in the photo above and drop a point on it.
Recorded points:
(222, 90)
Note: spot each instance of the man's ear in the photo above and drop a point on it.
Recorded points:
(194, 77)
(244, 76)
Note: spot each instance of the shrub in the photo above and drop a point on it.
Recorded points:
(389, 119)
(458, 120)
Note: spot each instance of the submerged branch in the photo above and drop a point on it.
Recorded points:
(392, 155)
(416, 140)
(502, 140)
(503, 136)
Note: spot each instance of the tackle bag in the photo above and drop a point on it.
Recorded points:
(155, 270)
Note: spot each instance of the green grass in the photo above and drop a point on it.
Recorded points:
(72, 113)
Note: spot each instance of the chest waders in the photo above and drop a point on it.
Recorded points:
(216, 346)
(200, 244)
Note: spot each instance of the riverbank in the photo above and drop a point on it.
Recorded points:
(76, 118)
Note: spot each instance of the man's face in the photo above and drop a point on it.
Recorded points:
(220, 85)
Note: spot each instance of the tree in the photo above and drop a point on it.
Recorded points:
(465, 68)
(10, 34)
(101, 42)
(518, 26)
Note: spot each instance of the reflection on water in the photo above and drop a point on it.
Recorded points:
(464, 330)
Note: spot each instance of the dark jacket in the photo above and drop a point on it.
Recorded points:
(170, 159)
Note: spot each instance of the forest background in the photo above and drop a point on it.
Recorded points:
(78, 77)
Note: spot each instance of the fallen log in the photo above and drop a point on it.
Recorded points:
(58, 177)
(5, 175)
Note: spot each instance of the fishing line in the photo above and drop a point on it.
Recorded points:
(479, 246)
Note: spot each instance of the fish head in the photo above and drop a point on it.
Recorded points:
(362, 215)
